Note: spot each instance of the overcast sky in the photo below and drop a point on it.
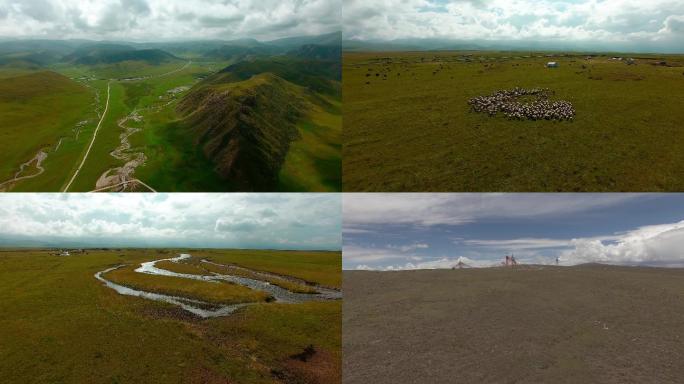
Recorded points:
(152, 20)
(282, 221)
(412, 231)
(636, 23)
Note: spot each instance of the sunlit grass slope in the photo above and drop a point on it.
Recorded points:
(36, 110)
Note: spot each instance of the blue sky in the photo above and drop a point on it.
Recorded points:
(653, 25)
(193, 220)
(408, 231)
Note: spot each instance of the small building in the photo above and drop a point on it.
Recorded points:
(64, 253)
(552, 64)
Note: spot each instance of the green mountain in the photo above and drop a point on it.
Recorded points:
(317, 75)
(334, 38)
(114, 53)
(318, 52)
(245, 128)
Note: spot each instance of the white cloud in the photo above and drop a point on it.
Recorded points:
(443, 263)
(250, 220)
(524, 243)
(168, 19)
(654, 245)
(410, 247)
(585, 20)
(362, 210)
(368, 254)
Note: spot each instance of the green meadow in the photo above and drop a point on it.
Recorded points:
(57, 108)
(59, 324)
(408, 125)
(43, 108)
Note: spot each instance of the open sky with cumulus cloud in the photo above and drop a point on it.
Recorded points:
(154, 20)
(260, 221)
(653, 25)
(423, 231)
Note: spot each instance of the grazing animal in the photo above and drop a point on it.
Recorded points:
(540, 109)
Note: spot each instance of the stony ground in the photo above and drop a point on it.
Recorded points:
(586, 324)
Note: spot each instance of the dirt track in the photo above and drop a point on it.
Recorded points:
(587, 324)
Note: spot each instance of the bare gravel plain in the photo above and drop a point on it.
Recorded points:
(530, 324)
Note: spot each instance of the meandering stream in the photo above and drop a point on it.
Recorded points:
(205, 309)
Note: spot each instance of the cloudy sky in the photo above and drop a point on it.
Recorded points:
(411, 231)
(640, 24)
(274, 221)
(152, 20)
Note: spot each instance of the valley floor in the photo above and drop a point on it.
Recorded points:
(59, 323)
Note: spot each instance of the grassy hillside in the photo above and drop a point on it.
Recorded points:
(112, 53)
(317, 75)
(59, 324)
(408, 125)
(254, 130)
(245, 128)
(36, 110)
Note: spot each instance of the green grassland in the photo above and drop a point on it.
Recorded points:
(174, 160)
(408, 125)
(314, 266)
(313, 162)
(280, 282)
(222, 293)
(58, 324)
(36, 110)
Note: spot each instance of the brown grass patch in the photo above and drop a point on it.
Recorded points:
(311, 366)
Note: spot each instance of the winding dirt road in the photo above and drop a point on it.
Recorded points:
(92, 141)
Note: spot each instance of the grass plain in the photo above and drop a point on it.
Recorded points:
(408, 125)
(531, 324)
(212, 292)
(58, 324)
(318, 267)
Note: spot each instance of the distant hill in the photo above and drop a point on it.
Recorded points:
(334, 38)
(317, 75)
(320, 47)
(55, 47)
(245, 128)
(318, 52)
(26, 87)
(241, 52)
(114, 53)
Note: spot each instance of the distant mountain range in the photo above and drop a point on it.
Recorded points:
(36, 53)
(437, 44)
